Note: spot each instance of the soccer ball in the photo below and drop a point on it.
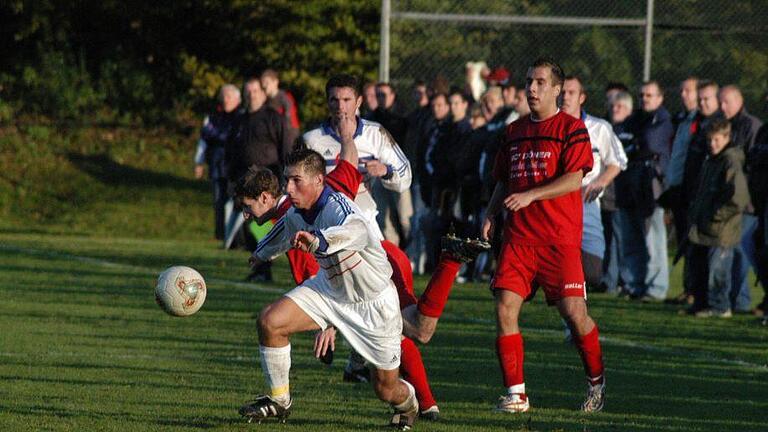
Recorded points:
(180, 291)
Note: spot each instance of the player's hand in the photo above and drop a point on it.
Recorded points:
(376, 168)
(199, 170)
(592, 191)
(324, 340)
(306, 242)
(347, 128)
(254, 261)
(487, 230)
(518, 201)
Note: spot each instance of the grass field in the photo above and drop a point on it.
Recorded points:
(83, 347)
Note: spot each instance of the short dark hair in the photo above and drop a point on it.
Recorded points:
(557, 71)
(577, 79)
(459, 92)
(255, 181)
(309, 160)
(656, 83)
(438, 95)
(719, 125)
(270, 73)
(342, 80)
(707, 83)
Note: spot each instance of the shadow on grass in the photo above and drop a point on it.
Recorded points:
(109, 172)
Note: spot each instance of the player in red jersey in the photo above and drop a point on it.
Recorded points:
(420, 316)
(538, 170)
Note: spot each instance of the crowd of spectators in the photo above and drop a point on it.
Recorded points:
(699, 176)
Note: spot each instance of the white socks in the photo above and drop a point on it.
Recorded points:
(516, 389)
(410, 402)
(276, 363)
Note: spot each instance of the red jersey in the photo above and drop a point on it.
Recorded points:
(533, 154)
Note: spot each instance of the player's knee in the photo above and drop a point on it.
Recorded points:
(268, 323)
(423, 336)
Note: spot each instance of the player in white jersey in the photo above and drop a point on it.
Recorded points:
(352, 291)
(609, 160)
(379, 154)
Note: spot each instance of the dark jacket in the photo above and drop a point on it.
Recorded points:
(394, 123)
(218, 132)
(697, 152)
(721, 197)
(261, 140)
(445, 158)
(744, 127)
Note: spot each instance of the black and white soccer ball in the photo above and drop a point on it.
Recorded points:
(180, 291)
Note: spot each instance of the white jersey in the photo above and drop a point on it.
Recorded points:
(373, 143)
(606, 148)
(353, 265)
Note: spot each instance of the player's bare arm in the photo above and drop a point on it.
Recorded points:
(564, 184)
(596, 187)
(494, 205)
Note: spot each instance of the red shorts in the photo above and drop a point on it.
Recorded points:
(557, 269)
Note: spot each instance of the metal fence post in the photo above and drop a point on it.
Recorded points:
(648, 40)
(386, 8)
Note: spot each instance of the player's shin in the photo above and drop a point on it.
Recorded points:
(591, 355)
(276, 365)
(412, 370)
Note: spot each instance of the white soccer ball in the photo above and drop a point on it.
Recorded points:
(180, 290)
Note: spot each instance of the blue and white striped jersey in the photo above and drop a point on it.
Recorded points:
(353, 264)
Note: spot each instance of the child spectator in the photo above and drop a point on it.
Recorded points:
(715, 222)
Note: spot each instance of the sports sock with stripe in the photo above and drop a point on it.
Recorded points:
(276, 364)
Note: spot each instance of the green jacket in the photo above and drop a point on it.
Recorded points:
(721, 197)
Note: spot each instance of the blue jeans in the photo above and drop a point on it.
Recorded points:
(743, 259)
(712, 281)
(592, 240)
(643, 266)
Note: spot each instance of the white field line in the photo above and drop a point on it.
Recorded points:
(139, 269)
(450, 317)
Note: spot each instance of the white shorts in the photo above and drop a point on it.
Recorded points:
(372, 327)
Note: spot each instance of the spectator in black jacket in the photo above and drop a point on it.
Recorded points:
(219, 128)
(395, 208)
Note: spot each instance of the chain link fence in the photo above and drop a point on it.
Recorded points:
(599, 40)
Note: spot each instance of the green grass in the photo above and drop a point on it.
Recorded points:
(84, 347)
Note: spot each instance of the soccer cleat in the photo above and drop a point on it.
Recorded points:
(463, 250)
(264, 407)
(432, 413)
(595, 398)
(403, 420)
(357, 375)
(513, 403)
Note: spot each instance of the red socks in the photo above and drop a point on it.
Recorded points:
(509, 349)
(433, 299)
(412, 370)
(591, 355)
